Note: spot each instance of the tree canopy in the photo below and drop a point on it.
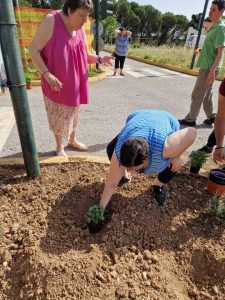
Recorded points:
(144, 21)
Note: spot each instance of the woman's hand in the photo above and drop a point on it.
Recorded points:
(175, 163)
(54, 83)
(105, 60)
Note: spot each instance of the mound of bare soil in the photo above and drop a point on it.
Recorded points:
(144, 252)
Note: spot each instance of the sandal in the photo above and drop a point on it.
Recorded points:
(78, 147)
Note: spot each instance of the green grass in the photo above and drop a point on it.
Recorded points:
(175, 56)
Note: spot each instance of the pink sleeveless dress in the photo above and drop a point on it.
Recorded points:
(66, 58)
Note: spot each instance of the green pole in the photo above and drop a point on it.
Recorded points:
(17, 86)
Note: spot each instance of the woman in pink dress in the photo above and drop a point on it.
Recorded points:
(59, 51)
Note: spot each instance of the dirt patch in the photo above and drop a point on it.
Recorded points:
(145, 252)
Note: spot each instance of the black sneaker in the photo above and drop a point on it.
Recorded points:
(209, 121)
(187, 123)
(159, 194)
(122, 74)
(206, 149)
(123, 180)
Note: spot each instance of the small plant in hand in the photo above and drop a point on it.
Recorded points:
(198, 158)
(96, 215)
(217, 208)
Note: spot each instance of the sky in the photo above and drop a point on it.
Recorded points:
(177, 7)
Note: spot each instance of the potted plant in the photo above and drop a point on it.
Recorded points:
(28, 78)
(96, 216)
(198, 158)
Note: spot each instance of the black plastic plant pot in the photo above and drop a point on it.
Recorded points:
(194, 170)
(95, 227)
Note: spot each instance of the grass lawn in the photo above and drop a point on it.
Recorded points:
(176, 56)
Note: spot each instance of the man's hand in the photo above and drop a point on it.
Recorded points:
(197, 51)
(175, 163)
(211, 77)
(218, 155)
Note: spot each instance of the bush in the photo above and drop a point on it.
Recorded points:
(28, 77)
(217, 208)
(198, 158)
(136, 45)
(146, 56)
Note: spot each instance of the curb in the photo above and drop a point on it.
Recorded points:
(165, 66)
(45, 160)
(90, 79)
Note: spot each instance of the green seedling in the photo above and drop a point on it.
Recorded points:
(198, 158)
(28, 77)
(96, 213)
(217, 208)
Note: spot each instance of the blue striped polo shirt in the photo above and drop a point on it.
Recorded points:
(154, 126)
(121, 45)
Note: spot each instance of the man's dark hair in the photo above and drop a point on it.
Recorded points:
(122, 29)
(220, 4)
(76, 4)
(134, 152)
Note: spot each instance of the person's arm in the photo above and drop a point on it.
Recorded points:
(94, 59)
(104, 60)
(39, 41)
(219, 128)
(128, 33)
(117, 31)
(212, 74)
(115, 174)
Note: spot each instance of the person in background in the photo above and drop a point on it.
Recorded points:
(122, 41)
(209, 62)
(59, 51)
(216, 138)
(150, 142)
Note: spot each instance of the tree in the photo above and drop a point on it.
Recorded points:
(110, 25)
(126, 17)
(172, 27)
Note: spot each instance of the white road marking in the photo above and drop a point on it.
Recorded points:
(175, 73)
(7, 121)
(155, 73)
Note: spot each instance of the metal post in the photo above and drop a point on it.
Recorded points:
(199, 33)
(97, 15)
(16, 3)
(17, 86)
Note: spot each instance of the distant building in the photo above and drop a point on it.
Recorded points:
(193, 34)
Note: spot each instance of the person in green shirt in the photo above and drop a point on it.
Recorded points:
(209, 62)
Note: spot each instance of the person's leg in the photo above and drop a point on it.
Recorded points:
(56, 120)
(73, 142)
(59, 145)
(211, 142)
(208, 106)
(122, 60)
(199, 92)
(117, 61)
(163, 178)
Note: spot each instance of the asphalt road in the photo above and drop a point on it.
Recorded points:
(112, 99)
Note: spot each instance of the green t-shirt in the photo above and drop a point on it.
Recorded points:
(215, 38)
